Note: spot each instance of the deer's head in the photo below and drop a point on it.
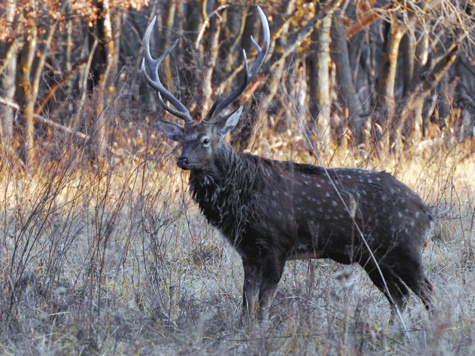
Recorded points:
(201, 141)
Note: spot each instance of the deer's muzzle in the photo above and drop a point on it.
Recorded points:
(182, 162)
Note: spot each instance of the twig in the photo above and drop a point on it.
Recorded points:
(205, 24)
(60, 84)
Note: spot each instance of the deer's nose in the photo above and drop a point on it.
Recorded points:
(182, 162)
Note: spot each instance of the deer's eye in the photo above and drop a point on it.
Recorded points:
(205, 141)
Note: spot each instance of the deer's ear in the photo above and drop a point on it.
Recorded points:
(171, 130)
(228, 123)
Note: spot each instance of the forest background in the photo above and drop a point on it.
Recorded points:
(102, 250)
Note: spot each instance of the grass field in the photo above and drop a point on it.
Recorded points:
(117, 260)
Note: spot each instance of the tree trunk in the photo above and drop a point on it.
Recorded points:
(385, 101)
(430, 76)
(26, 95)
(408, 61)
(168, 20)
(211, 56)
(189, 69)
(415, 121)
(346, 90)
(8, 81)
(444, 102)
(428, 110)
(7, 91)
(103, 68)
(106, 83)
(320, 101)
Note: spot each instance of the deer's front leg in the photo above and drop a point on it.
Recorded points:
(250, 290)
(272, 269)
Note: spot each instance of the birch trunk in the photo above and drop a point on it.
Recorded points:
(8, 81)
(320, 87)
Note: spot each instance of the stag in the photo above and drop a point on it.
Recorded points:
(273, 211)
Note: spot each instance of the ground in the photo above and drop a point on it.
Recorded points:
(118, 260)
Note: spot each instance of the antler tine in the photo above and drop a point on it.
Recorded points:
(248, 75)
(153, 78)
(261, 53)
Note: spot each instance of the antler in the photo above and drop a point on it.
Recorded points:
(218, 106)
(180, 110)
(154, 80)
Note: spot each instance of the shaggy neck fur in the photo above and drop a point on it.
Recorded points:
(225, 191)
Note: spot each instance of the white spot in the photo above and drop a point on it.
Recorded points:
(370, 181)
(334, 203)
(318, 185)
(327, 194)
(399, 214)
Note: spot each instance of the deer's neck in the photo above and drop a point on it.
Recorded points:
(226, 192)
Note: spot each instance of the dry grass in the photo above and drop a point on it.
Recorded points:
(117, 260)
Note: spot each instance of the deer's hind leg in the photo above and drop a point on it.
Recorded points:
(412, 274)
(392, 286)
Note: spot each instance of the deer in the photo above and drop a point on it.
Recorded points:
(274, 211)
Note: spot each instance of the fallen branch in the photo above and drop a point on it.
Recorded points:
(85, 137)
(15, 106)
